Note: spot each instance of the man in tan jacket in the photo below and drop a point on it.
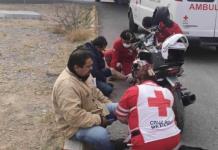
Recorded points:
(82, 111)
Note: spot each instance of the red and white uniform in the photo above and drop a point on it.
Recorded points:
(150, 115)
(165, 32)
(122, 55)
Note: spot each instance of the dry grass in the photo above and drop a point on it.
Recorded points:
(31, 59)
(58, 29)
(79, 35)
(74, 35)
(50, 138)
(77, 23)
(73, 16)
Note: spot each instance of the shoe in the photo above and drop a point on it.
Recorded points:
(119, 144)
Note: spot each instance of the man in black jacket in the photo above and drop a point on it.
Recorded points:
(99, 70)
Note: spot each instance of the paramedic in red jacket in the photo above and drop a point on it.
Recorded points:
(166, 29)
(147, 109)
(123, 54)
(161, 17)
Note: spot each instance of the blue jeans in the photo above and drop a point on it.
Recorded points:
(104, 87)
(97, 136)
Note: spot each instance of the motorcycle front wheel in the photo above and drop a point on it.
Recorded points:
(178, 109)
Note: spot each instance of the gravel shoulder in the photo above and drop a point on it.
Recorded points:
(31, 57)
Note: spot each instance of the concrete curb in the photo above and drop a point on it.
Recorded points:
(75, 145)
(4, 14)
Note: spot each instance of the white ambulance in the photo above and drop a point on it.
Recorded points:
(197, 18)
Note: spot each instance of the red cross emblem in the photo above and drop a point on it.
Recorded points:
(185, 17)
(160, 102)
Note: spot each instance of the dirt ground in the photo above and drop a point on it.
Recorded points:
(31, 57)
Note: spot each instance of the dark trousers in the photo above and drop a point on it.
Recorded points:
(104, 87)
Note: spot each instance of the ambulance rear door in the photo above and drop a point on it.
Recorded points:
(197, 18)
(135, 6)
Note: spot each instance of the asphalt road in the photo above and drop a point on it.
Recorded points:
(201, 124)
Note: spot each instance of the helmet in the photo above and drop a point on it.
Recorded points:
(160, 14)
(137, 64)
(174, 48)
(142, 64)
(144, 57)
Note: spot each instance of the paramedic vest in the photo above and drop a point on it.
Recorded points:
(155, 114)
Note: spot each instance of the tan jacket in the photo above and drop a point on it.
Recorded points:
(76, 104)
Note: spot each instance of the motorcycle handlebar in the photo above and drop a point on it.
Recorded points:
(153, 29)
(143, 40)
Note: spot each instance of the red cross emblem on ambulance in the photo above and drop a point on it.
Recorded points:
(185, 17)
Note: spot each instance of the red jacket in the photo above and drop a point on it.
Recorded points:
(165, 32)
(122, 55)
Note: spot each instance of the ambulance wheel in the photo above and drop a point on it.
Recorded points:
(132, 26)
(178, 109)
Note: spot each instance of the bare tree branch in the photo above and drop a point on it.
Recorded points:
(73, 17)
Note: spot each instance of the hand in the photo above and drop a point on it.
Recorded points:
(129, 78)
(104, 122)
(123, 120)
(117, 75)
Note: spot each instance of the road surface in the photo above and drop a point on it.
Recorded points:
(201, 77)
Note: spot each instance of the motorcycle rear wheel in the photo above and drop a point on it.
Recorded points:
(178, 109)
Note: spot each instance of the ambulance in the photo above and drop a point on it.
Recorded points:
(198, 19)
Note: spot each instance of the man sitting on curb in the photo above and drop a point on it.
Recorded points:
(82, 111)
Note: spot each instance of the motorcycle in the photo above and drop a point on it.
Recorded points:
(168, 60)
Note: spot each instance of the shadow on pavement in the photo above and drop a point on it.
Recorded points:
(119, 89)
(205, 54)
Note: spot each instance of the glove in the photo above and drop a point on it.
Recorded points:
(104, 122)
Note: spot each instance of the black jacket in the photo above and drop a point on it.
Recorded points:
(99, 71)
